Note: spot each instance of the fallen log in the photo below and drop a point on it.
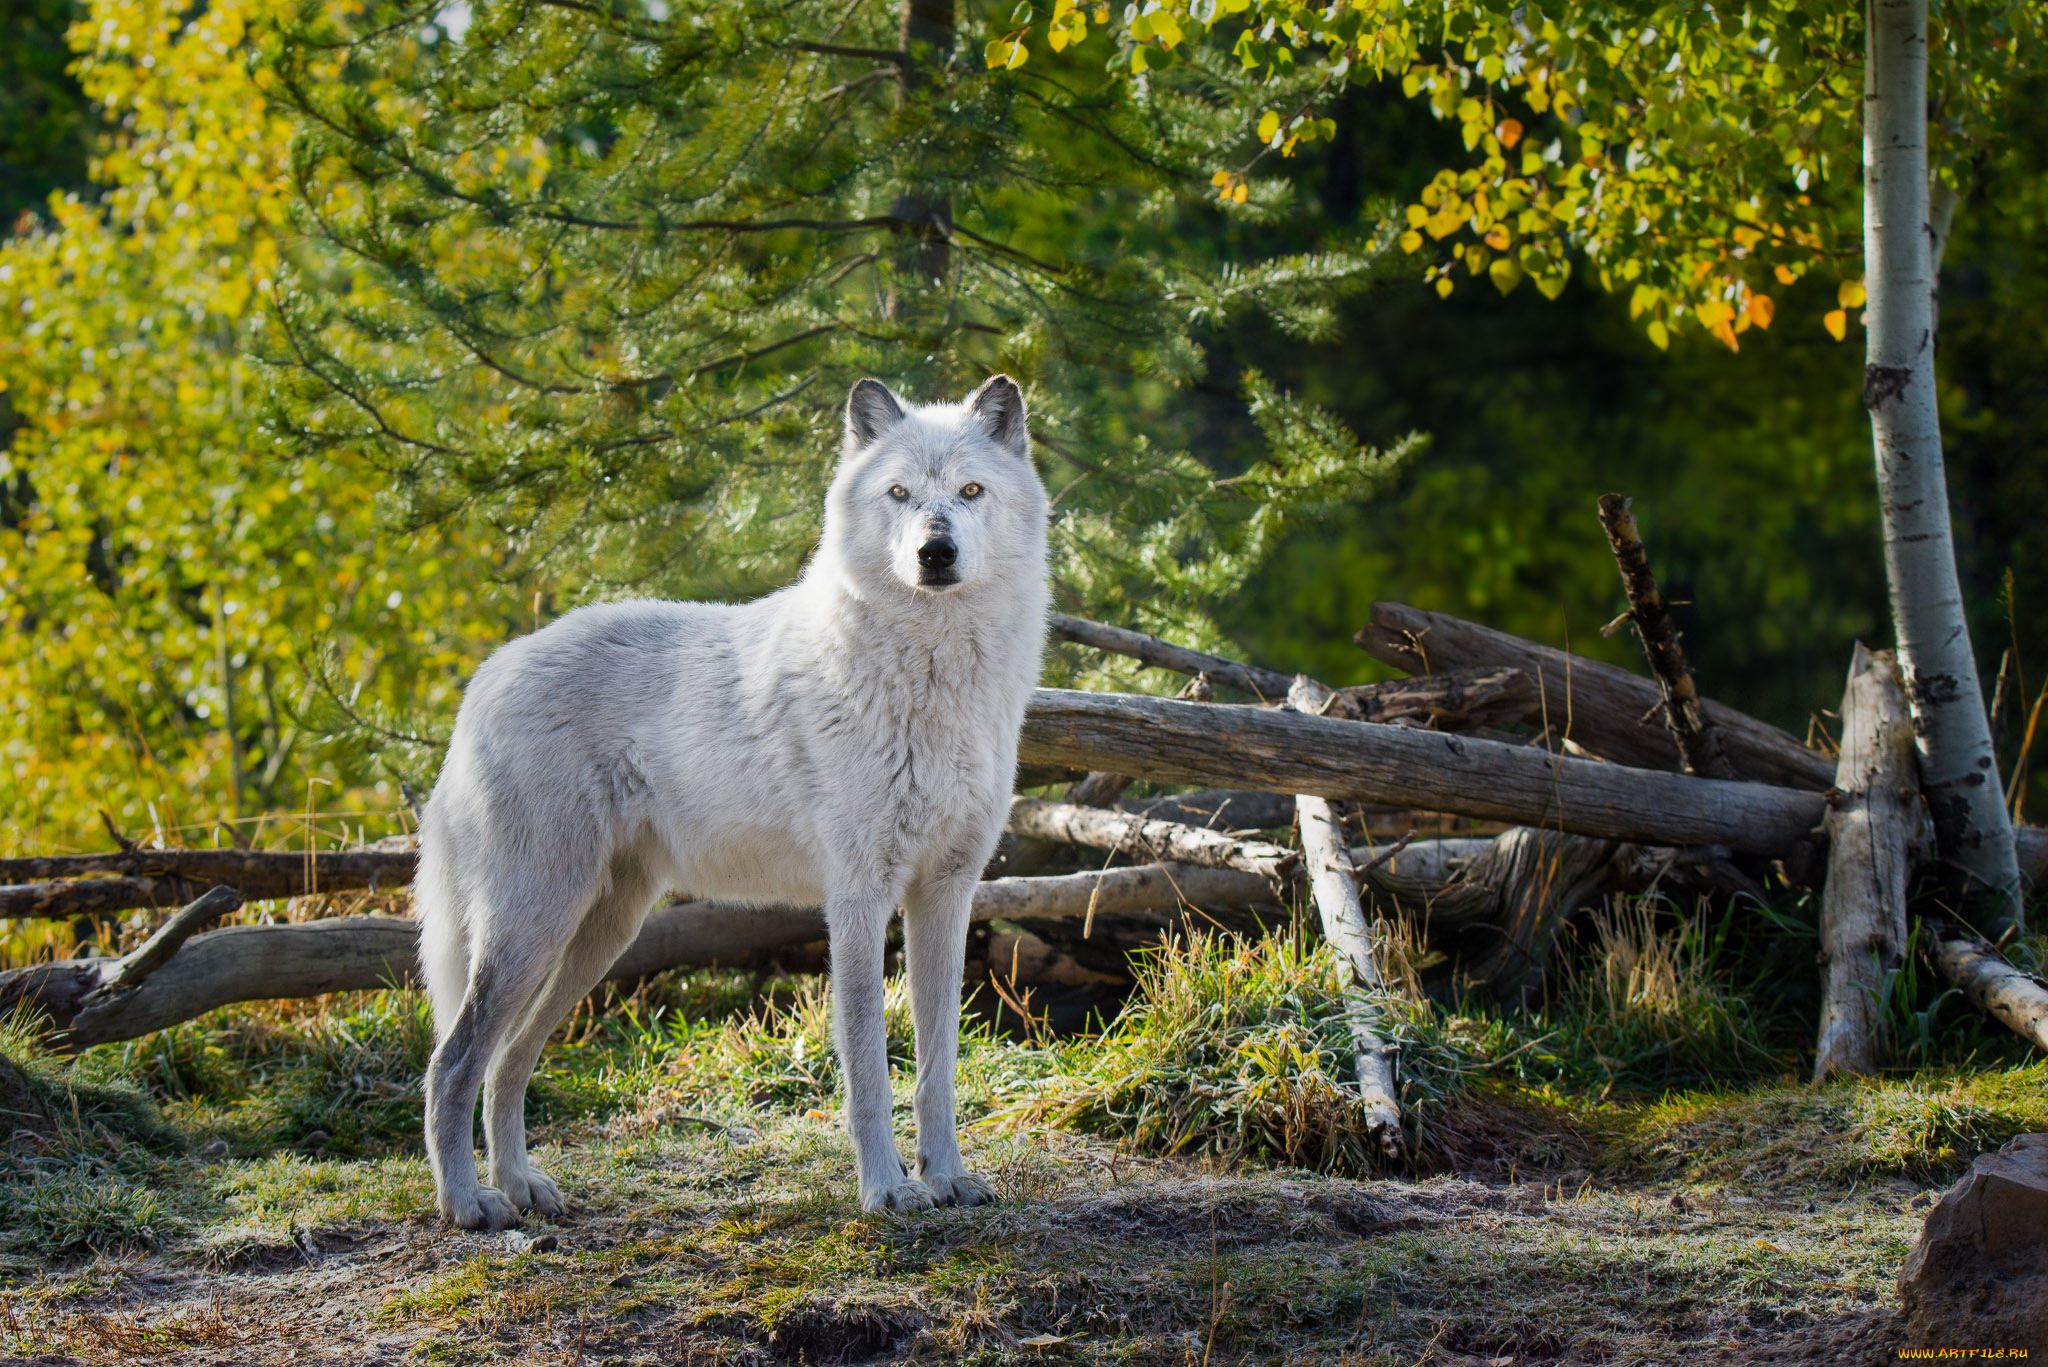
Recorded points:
(1454, 700)
(1333, 886)
(1875, 827)
(1267, 685)
(1608, 710)
(157, 878)
(1170, 841)
(1991, 982)
(1698, 741)
(1283, 751)
(365, 953)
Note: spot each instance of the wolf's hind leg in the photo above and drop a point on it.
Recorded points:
(605, 931)
(934, 944)
(519, 936)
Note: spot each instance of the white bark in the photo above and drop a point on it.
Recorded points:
(1958, 767)
(1333, 885)
(1873, 833)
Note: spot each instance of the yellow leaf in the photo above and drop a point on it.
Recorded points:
(1509, 132)
(1269, 124)
(1850, 294)
(1761, 310)
(1411, 240)
(1727, 335)
(1498, 237)
(1660, 336)
(1220, 178)
(1714, 313)
(1001, 53)
(1240, 192)
(1505, 272)
(1443, 287)
(1837, 323)
(1784, 274)
(1416, 215)
(1018, 52)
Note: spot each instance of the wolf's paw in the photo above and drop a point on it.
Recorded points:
(531, 1189)
(480, 1208)
(908, 1194)
(960, 1189)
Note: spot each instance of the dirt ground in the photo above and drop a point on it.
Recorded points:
(697, 1245)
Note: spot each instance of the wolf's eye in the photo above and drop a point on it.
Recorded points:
(898, 492)
(971, 491)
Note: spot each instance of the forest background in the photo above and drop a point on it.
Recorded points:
(221, 601)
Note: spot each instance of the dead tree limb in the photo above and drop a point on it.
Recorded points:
(146, 958)
(1176, 742)
(1095, 828)
(1267, 685)
(365, 953)
(154, 878)
(1523, 888)
(1600, 706)
(1333, 885)
(1875, 827)
(1993, 985)
(1219, 809)
(1454, 700)
(1699, 744)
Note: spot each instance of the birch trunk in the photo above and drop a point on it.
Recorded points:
(1958, 768)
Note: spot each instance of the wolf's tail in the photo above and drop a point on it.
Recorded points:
(437, 904)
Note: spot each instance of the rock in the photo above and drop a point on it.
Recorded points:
(1979, 1276)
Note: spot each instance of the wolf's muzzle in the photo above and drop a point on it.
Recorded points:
(935, 562)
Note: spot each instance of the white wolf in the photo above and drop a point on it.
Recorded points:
(850, 740)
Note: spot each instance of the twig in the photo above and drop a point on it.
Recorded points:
(1267, 685)
(157, 950)
(1383, 856)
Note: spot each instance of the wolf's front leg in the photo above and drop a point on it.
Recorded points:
(934, 944)
(858, 925)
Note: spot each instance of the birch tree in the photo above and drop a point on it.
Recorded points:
(1699, 160)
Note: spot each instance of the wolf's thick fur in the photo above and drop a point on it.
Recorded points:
(850, 740)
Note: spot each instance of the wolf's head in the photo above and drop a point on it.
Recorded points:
(935, 499)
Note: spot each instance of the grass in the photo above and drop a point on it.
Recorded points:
(1189, 1185)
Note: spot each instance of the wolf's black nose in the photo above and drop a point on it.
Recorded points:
(937, 554)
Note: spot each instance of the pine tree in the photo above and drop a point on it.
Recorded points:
(604, 274)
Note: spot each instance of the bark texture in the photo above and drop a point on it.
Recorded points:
(79, 998)
(1281, 751)
(1333, 885)
(1606, 710)
(1267, 685)
(1873, 835)
(1699, 743)
(1162, 840)
(1992, 983)
(64, 887)
(1958, 767)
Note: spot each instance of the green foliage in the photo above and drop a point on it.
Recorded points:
(169, 568)
(1698, 158)
(1926, 1127)
(681, 239)
(1240, 1050)
(83, 1158)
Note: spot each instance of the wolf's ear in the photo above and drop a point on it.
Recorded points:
(871, 410)
(999, 404)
